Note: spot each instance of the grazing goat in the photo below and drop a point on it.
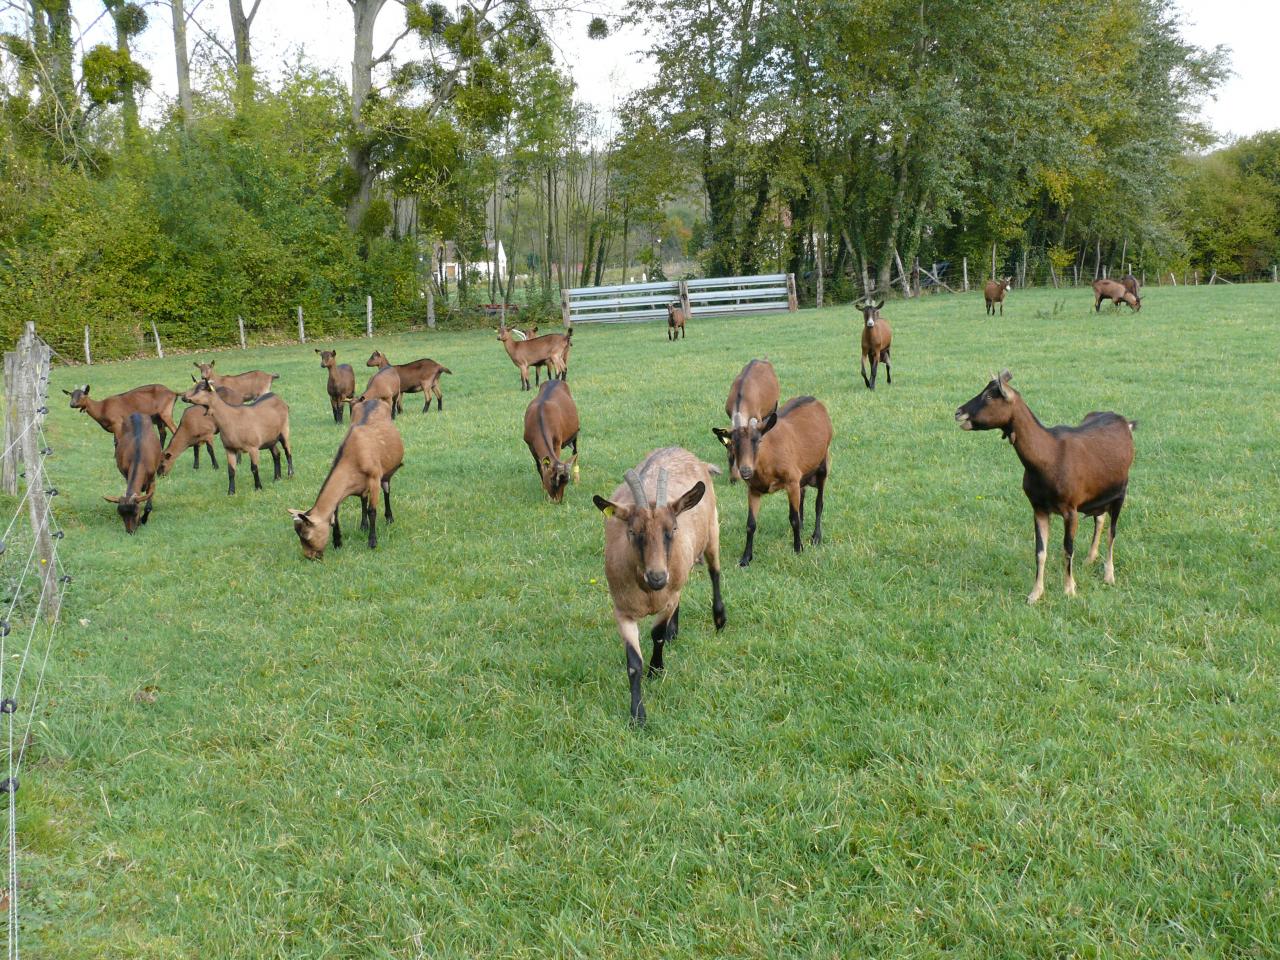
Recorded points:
(994, 292)
(676, 322)
(550, 425)
(788, 450)
(753, 394)
(196, 428)
(1066, 470)
(383, 385)
(366, 461)
(153, 401)
(261, 425)
(877, 339)
(551, 350)
(650, 545)
(249, 385)
(1131, 284)
(421, 376)
(1116, 292)
(342, 382)
(137, 457)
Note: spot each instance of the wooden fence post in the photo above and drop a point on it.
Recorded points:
(565, 318)
(1275, 275)
(240, 324)
(966, 274)
(302, 330)
(793, 301)
(684, 299)
(993, 261)
(156, 333)
(902, 274)
(368, 316)
(33, 356)
(88, 358)
(431, 309)
(12, 460)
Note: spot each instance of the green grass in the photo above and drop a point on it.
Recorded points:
(423, 751)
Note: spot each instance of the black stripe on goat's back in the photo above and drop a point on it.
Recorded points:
(795, 403)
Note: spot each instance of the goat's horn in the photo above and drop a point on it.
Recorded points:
(661, 498)
(637, 488)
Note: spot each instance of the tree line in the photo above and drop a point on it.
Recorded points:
(840, 140)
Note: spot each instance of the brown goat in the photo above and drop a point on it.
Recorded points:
(1066, 470)
(1131, 284)
(788, 450)
(341, 385)
(421, 376)
(877, 339)
(552, 350)
(261, 425)
(383, 385)
(1114, 291)
(137, 457)
(651, 544)
(550, 425)
(196, 428)
(994, 292)
(249, 385)
(153, 401)
(367, 459)
(676, 322)
(753, 394)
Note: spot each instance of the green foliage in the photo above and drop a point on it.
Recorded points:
(107, 71)
(1228, 207)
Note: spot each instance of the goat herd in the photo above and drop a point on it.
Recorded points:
(663, 518)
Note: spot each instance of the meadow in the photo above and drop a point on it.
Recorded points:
(423, 751)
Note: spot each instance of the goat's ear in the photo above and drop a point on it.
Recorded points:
(608, 508)
(690, 499)
(196, 365)
(193, 379)
(726, 436)
(317, 350)
(111, 499)
(85, 389)
(1001, 381)
(67, 392)
(768, 423)
(879, 304)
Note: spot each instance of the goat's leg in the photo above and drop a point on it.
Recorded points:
(337, 527)
(212, 459)
(439, 397)
(819, 481)
(629, 630)
(1098, 522)
(1042, 538)
(888, 373)
(712, 557)
(253, 463)
(288, 447)
(195, 448)
(537, 374)
(1070, 522)
(862, 365)
(275, 459)
(385, 483)
(232, 459)
(795, 498)
(364, 512)
(371, 492)
(664, 629)
(753, 506)
(1109, 571)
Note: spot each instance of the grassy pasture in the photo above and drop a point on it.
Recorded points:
(423, 751)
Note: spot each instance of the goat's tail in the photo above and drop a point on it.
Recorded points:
(1133, 425)
(275, 377)
(446, 370)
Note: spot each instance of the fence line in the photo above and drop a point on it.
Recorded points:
(26, 384)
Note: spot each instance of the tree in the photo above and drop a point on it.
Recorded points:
(181, 61)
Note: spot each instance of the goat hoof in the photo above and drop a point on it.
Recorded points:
(744, 562)
(639, 717)
(655, 671)
(1034, 596)
(816, 540)
(719, 618)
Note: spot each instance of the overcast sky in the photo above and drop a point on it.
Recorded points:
(607, 70)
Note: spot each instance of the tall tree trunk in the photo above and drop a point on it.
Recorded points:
(750, 244)
(885, 280)
(240, 26)
(365, 14)
(183, 64)
(121, 15)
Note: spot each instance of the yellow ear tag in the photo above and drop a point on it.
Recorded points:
(546, 461)
(575, 473)
(608, 511)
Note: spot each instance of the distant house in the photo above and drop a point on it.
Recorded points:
(449, 266)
